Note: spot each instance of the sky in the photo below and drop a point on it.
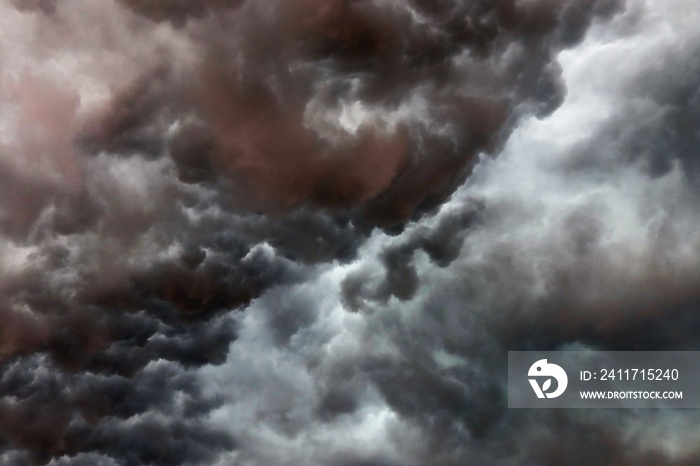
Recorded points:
(307, 232)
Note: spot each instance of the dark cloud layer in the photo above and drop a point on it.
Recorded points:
(272, 75)
(257, 232)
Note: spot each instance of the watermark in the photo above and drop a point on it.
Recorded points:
(604, 379)
(550, 372)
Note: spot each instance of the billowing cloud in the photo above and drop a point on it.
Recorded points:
(338, 104)
(308, 232)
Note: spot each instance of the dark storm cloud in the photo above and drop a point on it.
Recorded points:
(226, 156)
(108, 299)
(441, 241)
(48, 413)
(603, 256)
(259, 105)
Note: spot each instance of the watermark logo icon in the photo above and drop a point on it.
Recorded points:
(547, 371)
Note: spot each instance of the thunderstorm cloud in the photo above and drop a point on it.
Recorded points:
(307, 232)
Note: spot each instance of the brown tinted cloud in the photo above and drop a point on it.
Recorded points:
(231, 228)
(272, 76)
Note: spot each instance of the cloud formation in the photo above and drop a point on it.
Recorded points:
(308, 232)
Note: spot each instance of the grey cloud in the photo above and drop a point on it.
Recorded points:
(270, 73)
(179, 11)
(532, 274)
(243, 162)
(538, 256)
(128, 420)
